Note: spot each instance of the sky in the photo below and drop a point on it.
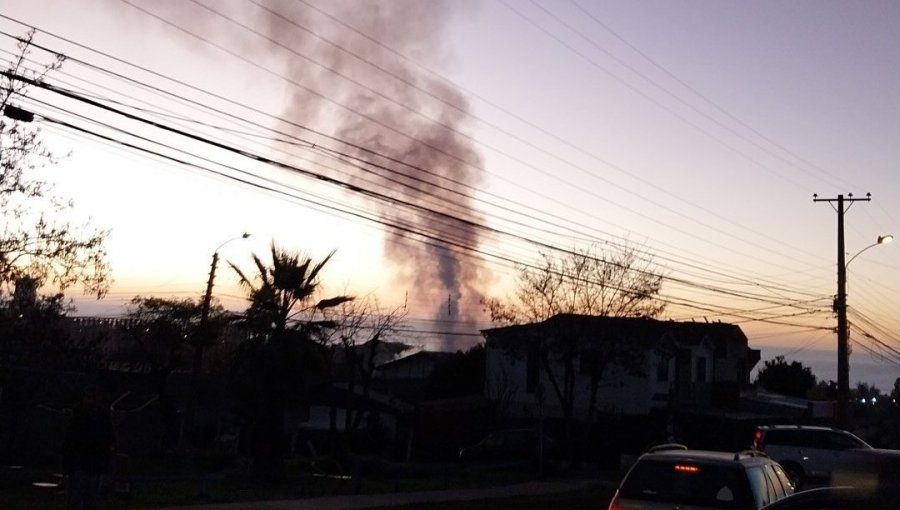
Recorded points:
(433, 145)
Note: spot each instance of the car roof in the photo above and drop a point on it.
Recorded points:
(799, 427)
(707, 456)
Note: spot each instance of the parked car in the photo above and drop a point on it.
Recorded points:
(870, 469)
(513, 446)
(674, 477)
(836, 498)
(806, 452)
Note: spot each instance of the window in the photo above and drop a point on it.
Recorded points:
(843, 442)
(796, 438)
(533, 369)
(784, 479)
(662, 370)
(709, 486)
(774, 483)
(758, 486)
(820, 439)
(701, 369)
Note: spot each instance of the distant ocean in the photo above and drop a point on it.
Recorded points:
(863, 367)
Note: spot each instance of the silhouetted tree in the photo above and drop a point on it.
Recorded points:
(823, 390)
(278, 365)
(792, 379)
(866, 391)
(621, 282)
(158, 337)
(35, 240)
(362, 332)
(895, 394)
(609, 283)
(35, 335)
(159, 340)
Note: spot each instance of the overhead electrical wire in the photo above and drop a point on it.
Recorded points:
(397, 131)
(468, 114)
(443, 79)
(705, 98)
(307, 173)
(182, 83)
(351, 187)
(262, 159)
(668, 92)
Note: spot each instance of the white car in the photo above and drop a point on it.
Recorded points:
(672, 477)
(805, 451)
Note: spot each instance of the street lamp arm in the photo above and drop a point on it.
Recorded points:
(245, 235)
(207, 296)
(885, 239)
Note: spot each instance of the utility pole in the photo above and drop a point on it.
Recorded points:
(201, 342)
(840, 307)
(204, 336)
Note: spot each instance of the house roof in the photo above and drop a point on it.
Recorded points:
(419, 357)
(640, 328)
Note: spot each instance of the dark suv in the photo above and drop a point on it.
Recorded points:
(673, 477)
(806, 451)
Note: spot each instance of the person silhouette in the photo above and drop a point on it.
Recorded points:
(87, 450)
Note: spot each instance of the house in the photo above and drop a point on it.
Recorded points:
(416, 366)
(615, 365)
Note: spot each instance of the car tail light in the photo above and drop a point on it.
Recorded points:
(614, 504)
(757, 441)
(683, 468)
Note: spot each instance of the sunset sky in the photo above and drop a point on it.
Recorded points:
(696, 130)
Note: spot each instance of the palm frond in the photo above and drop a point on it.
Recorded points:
(318, 267)
(334, 301)
(243, 280)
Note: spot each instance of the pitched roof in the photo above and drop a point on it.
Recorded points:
(647, 329)
(421, 356)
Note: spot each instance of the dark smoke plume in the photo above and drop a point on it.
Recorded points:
(438, 280)
(340, 88)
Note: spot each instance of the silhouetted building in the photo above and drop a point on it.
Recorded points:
(632, 366)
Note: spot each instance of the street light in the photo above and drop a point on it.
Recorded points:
(203, 336)
(885, 239)
(204, 310)
(840, 305)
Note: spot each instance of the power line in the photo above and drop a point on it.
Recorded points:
(343, 184)
(444, 240)
(306, 128)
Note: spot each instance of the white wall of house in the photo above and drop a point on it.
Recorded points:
(618, 392)
(622, 393)
(727, 368)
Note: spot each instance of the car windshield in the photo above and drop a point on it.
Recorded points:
(672, 481)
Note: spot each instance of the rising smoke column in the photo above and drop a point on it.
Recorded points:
(439, 281)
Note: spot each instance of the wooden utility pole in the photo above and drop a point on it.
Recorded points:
(840, 307)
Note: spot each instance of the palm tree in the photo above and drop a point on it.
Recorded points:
(275, 368)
